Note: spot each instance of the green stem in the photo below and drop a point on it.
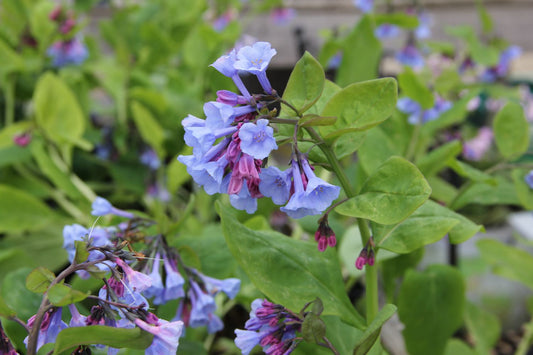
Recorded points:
(523, 346)
(9, 95)
(411, 149)
(371, 275)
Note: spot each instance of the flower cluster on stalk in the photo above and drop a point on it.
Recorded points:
(271, 326)
(69, 50)
(231, 145)
(157, 275)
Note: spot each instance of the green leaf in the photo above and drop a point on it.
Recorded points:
(59, 177)
(471, 173)
(390, 195)
(412, 86)
(81, 252)
(371, 333)
(330, 89)
(150, 130)
(11, 60)
(360, 106)
(511, 130)
(431, 307)
(20, 211)
(361, 54)
(57, 110)
(39, 280)
(423, 227)
(483, 326)
(305, 84)
(397, 18)
(312, 273)
(5, 310)
(457, 347)
(486, 20)
(442, 190)
(417, 229)
(435, 160)
(503, 193)
(14, 292)
(62, 295)
(316, 120)
(506, 261)
(313, 328)
(377, 147)
(523, 191)
(98, 334)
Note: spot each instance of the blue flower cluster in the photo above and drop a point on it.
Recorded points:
(272, 327)
(417, 115)
(160, 277)
(231, 143)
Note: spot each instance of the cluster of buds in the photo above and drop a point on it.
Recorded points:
(231, 145)
(325, 236)
(70, 50)
(271, 326)
(158, 274)
(366, 256)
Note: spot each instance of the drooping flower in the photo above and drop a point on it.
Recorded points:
(150, 159)
(226, 66)
(271, 326)
(299, 204)
(410, 56)
(173, 282)
(71, 52)
(275, 184)
(419, 116)
(501, 69)
(102, 207)
(320, 193)
(156, 289)
(364, 5)
(475, 148)
(425, 22)
(166, 336)
(387, 30)
(254, 60)
(50, 327)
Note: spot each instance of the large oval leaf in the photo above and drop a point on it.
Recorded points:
(288, 271)
(511, 130)
(305, 83)
(21, 211)
(390, 195)
(431, 307)
(360, 106)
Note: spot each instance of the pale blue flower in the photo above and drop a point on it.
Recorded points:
(364, 5)
(410, 56)
(320, 193)
(275, 184)
(166, 336)
(255, 60)
(257, 139)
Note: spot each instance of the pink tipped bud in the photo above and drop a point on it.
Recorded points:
(231, 98)
(67, 26)
(322, 244)
(54, 15)
(360, 262)
(371, 258)
(22, 140)
(317, 235)
(332, 241)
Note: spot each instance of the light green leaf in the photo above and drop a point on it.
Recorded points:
(39, 280)
(17, 296)
(20, 211)
(431, 307)
(81, 252)
(361, 54)
(330, 89)
(486, 20)
(523, 191)
(371, 334)
(423, 227)
(313, 274)
(390, 195)
(503, 193)
(442, 190)
(511, 130)
(305, 84)
(412, 86)
(313, 328)
(360, 106)
(471, 173)
(483, 326)
(376, 148)
(98, 334)
(61, 295)
(5, 310)
(435, 160)
(57, 110)
(397, 18)
(507, 261)
(316, 120)
(150, 130)
(457, 347)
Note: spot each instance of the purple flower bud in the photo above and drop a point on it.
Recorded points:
(102, 207)
(22, 139)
